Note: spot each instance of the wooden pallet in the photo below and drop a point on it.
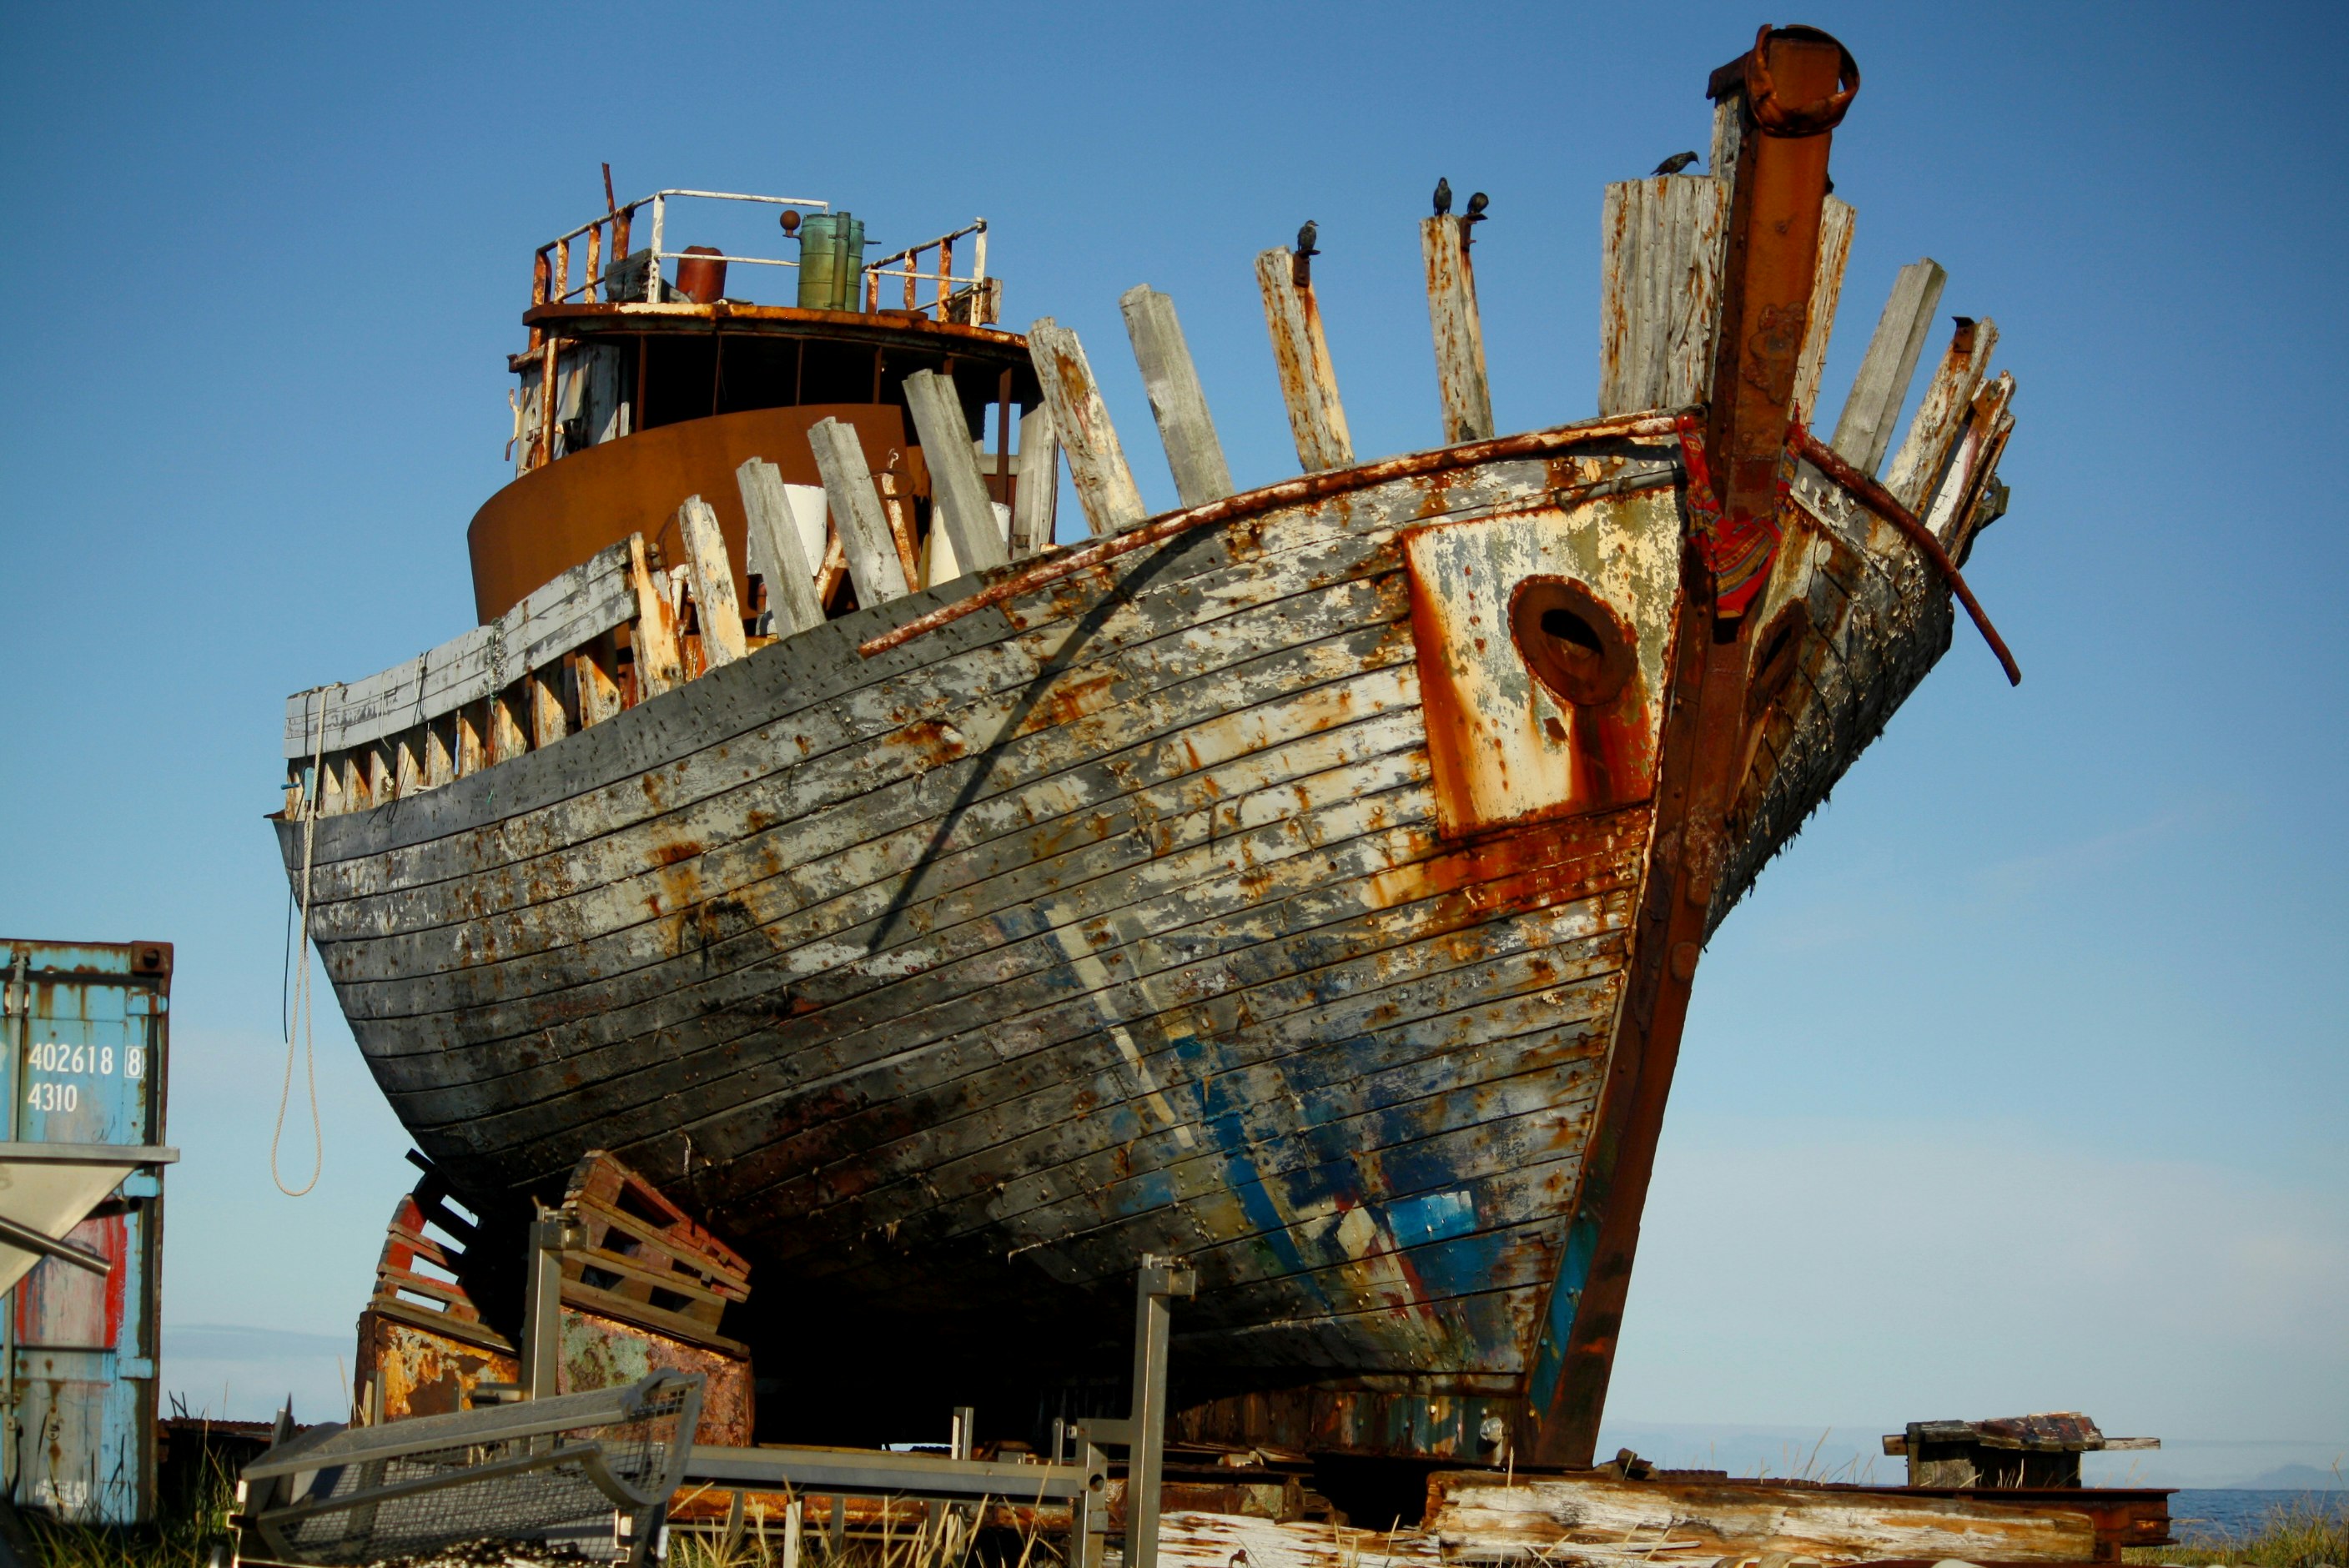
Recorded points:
(647, 1262)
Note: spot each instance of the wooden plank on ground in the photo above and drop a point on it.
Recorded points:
(1461, 387)
(774, 549)
(1480, 1515)
(1941, 412)
(959, 500)
(1309, 382)
(1194, 452)
(1826, 288)
(1036, 501)
(1081, 420)
(865, 538)
(1662, 247)
(710, 573)
(1864, 429)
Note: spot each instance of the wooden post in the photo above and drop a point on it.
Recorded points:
(1827, 287)
(1460, 381)
(596, 669)
(654, 632)
(1308, 383)
(1663, 244)
(775, 549)
(1864, 429)
(958, 498)
(473, 738)
(711, 574)
(543, 693)
(901, 529)
(1975, 454)
(1941, 413)
(864, 537)
(1038, 498)
(1081, 420)
(440, 751)
(1177, 401)
(508, 735)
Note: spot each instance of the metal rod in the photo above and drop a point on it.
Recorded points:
(34, 1241)
(1880, 501)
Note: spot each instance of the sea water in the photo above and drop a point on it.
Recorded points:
(2198, 1514)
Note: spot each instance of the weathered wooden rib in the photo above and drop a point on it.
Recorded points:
(1304, 883)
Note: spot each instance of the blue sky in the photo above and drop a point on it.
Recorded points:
(2018, 1084)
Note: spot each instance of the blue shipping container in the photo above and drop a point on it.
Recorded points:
(82, 1072)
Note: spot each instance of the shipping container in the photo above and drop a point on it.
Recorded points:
(81, 1224)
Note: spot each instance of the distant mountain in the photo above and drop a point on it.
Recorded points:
(2298, 1477)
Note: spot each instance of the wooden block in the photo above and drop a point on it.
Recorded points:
(898, 513)
(1663, 244)
(440, 751)
(959, 500)
(473, 738)
(711, 572)
(653, 632)
(1036, 502)
(1081, 421)
(1864, 429)
(1177, 403)
(407, 761)
(1461, 387)
(775, 551)
(1826, 288)
(544, 693)
(595, 670)
(864, 539)
(1308, 383)
(509, 734)
(1941, 413)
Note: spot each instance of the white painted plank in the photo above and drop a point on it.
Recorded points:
(710, 571)
(1977, 448)
(959, 506)
(551, 620)
(659, 666)
(1194, 453)
(776, 549)
(1081, 420)
(1827, 287)
(1462, 390)
(864, 535)
(1309, 382)
(1941, 413)
(1037, 501)
(1864, 429)
(1662, 245)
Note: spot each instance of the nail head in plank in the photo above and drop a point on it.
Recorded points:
(1194, 453)
(1096, 460)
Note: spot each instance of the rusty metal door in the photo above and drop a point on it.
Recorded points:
(83, 1073)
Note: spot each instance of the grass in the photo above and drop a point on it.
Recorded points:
(2300, 1533)
(182, 1536)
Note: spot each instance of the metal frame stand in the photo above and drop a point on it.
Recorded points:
(1084, 1486)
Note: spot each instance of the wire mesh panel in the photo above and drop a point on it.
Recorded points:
(548, 1469)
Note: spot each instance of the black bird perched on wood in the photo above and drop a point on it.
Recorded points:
(1675, 164)
(1475, 214)
(1443, 198)
(1305, 237)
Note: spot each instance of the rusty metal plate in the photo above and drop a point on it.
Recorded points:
(1542, 638)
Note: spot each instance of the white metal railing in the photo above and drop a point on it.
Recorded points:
(608, 236)
(954, 297)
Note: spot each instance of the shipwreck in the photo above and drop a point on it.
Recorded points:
(1307, 882)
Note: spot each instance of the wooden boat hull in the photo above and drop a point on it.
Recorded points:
(1137, 913)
